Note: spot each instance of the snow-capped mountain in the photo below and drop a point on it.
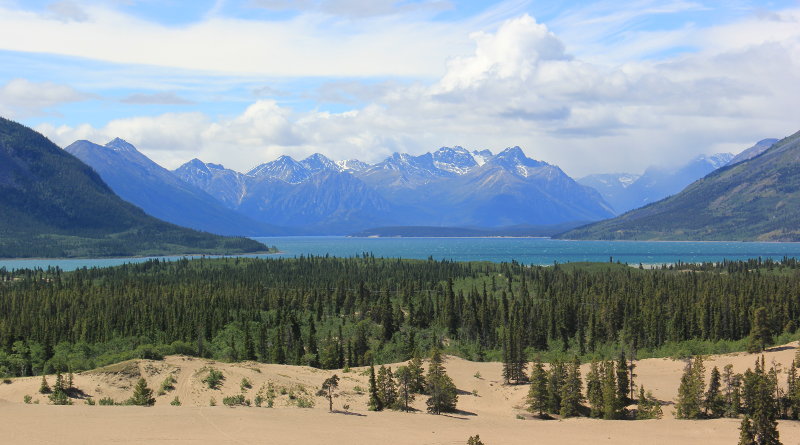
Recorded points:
(226, 185)
(450, 186)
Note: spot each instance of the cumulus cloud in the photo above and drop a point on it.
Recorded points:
(519, 85)
(21, 98)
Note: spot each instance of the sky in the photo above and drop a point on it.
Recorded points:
(594, 87)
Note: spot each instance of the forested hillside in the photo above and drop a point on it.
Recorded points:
(53, 205)
(331, 313)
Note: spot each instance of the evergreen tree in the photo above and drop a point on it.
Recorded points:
(733, 398)
(328, 389)
(417, 376)
(792, 403)
(405, 382)
(623, 381)
(647, 406)
(612, 405)
(760, 335)
(747, 435)
(690, 391)
(714, 402)
(538, 399)
(59, 395)
(142, 395)
(387, 389)
(571, 397)
(443, 395)
(44, 388)
(594, 390)
(556, 376)
(764, 425)
(375, 402)
(474, 440)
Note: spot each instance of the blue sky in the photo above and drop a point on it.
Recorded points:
(591, 86)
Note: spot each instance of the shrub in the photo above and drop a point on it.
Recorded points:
(246, 384)
(167, 385)
(214, 379)
(237, 400)
(175, 402)
(27, 398)
(89, 401)
(212, 402)
(107, 401)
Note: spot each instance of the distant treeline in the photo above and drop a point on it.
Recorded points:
(333, 312)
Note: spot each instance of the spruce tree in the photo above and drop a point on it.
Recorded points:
(417, 375)
(647, 406)
(612, 405)
(387, 390)
(555, 380)
(443, 395)
(747, 435)
(594, 390)
(690, 391)
(44, 388)
(405, 382)
(142, 395)
(571, 397)
(375, 403)
(760, 333)
(538, 397)
(792, 393)
(765, 427)
(714, 402)
(59, 395)
(623, 381)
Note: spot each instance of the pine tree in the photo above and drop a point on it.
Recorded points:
(59, 395)
(387, 390)
(142, 395)
(714, 402)
(792, 393)
(375, 403)
(623, 381)
(690, 391)
(405, 381)
(733, 399)
(555, 380)
(417, 376)
(612, 405)
(594, 390)
(44, 388)
(571, 397)
(747, 435)
(760, 335)
(648, 407)
(328, 389)
(538, 398)
(765, 427)
(443, 395)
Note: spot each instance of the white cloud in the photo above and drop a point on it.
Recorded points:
(521, 86)
(21, 98)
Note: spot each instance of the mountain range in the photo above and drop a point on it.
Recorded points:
(449, 187)
(54, 205)
(757, 198)
(626, 191)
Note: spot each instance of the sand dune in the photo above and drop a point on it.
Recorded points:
(488, 408)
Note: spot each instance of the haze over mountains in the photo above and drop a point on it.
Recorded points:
(627, 191)
(755, 199)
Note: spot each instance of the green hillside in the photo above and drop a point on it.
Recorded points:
(53, 205)
(755, 200)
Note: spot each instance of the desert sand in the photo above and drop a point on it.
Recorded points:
(487, 407)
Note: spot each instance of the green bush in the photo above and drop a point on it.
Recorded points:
(214, 379)
(107, 401)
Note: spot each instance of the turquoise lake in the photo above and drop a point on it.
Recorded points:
(538, 251)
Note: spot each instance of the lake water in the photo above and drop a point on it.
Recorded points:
(538, 251)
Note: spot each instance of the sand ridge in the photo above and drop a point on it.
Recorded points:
(486, 407)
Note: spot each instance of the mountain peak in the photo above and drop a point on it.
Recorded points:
(454, 160)
(319, 162)
(118, 144)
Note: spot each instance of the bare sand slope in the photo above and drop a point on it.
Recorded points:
(487, 408)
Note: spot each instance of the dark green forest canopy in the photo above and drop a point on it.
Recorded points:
(333, 312)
